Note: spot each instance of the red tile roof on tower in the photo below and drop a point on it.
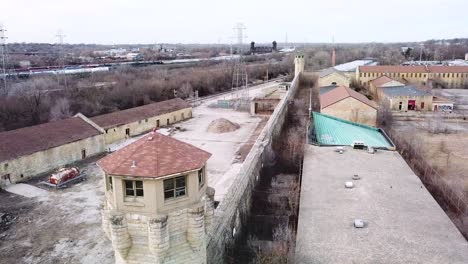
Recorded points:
(29, 140)
(158, 157)
(341, 93)
(139, 113)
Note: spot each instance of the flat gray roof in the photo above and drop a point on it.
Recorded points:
(404, 91)
(403, 222)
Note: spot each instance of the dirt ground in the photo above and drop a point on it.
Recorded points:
(55, 226)
(446, 151)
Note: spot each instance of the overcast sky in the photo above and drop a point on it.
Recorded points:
(211, 21)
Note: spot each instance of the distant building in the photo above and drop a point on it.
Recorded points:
(449, 76)
(345, 103)
(157, 201)
(331, 76)
(24, 64)
(407, 98)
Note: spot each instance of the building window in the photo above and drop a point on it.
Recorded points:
(106, 131)
(83, 154)
(168, 121)
(133, 188)
(400, 105)
(146, 120)
(201, 178)
(111, 184)
(422, 105)
(175, 187)
(157, 123)
(5, 166)
(127, 131)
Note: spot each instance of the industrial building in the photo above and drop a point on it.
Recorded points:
(345, 103)
(157, 202)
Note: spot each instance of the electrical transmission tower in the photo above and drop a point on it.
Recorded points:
(239, 28)
(3, 39)
(240, 75)
(60, 36)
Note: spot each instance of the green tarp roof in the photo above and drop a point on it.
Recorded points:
(335, 131)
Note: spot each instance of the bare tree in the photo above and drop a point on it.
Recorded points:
(60, 110)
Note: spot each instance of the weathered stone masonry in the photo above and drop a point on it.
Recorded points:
(232, 212)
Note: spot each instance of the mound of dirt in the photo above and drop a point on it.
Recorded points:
(222, 125)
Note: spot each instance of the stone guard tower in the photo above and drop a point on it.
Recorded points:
(157, 202)
(299, 63)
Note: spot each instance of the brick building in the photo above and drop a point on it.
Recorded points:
(345, 103)
(448, 76)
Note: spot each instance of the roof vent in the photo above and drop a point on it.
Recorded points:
(358, 144)
(358, 223)
(370, 150)
(150, 138)
(356, 177)
(339, 150)
(349, 184)
(133, 164)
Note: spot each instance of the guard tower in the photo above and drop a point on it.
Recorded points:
(157, 202)
(299, 63)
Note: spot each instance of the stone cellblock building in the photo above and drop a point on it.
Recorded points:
(157, 203)
(135, 121)
(450, 76)
(29, 151)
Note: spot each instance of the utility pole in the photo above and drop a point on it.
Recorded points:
(60, 36)
(420, 53)
(3, 39)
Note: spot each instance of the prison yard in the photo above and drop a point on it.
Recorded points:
(71, 218)
(355, 163)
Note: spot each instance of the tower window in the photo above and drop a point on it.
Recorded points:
(201, 178)
(175, 187)
(133, 188)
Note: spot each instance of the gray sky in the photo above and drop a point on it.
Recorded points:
(211, 21)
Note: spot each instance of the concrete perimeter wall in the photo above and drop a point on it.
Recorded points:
(233, 211)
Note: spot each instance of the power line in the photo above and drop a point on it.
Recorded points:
(3, 39)
(60, 37)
